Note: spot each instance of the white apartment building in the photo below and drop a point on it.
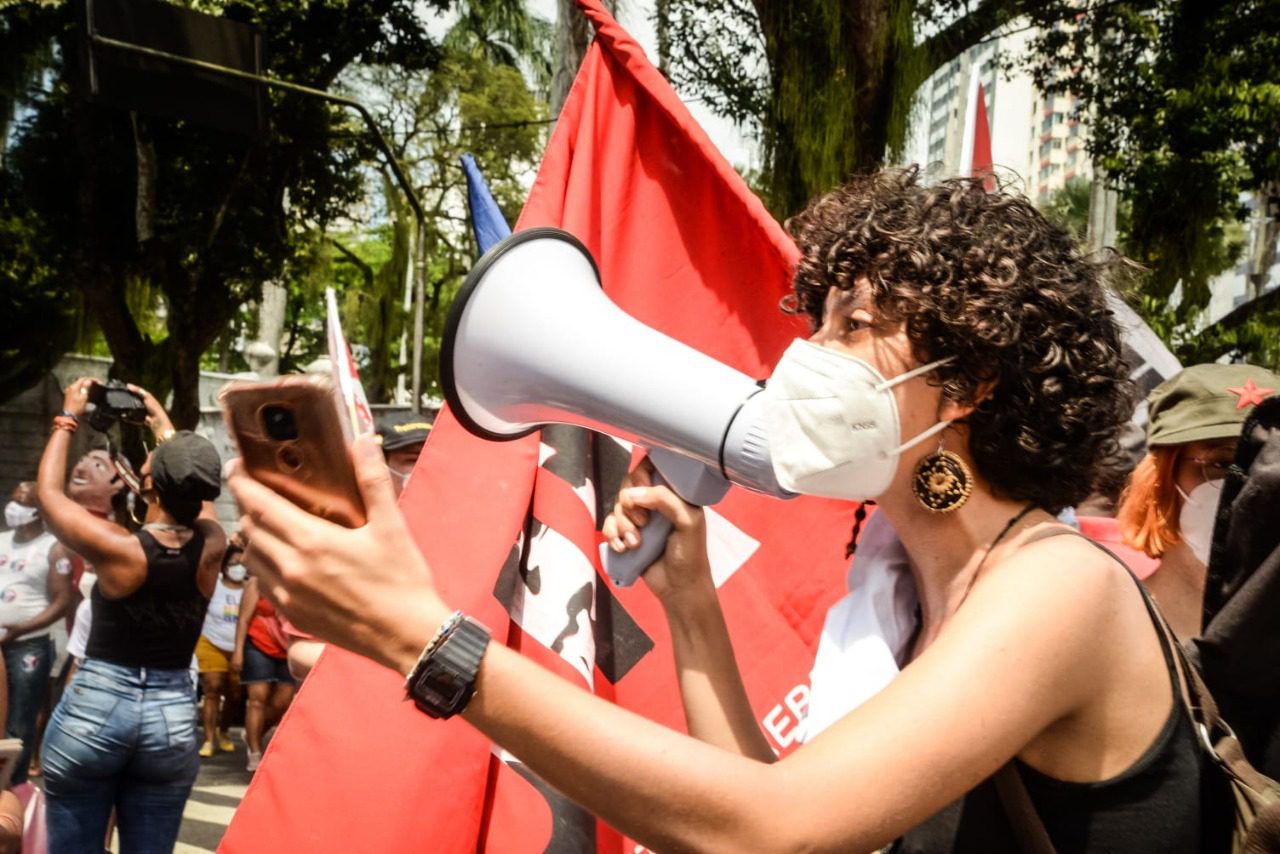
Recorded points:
(1037, 141)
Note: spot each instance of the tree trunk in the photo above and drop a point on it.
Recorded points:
(271, 311)
(573, 35)
(842, 75)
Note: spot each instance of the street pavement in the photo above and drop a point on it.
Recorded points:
(217, 793)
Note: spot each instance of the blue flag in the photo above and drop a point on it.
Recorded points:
(487, 220)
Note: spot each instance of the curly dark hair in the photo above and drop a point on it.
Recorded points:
(984, 278)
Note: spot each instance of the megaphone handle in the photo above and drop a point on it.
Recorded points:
(623, 569)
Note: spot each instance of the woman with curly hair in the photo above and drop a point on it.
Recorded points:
(965, 372)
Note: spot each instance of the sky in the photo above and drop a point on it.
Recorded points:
(634, 15)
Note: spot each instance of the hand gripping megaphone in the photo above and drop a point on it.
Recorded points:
(532, 339)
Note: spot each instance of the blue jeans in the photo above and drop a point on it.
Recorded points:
(122, 737)
(29, 662)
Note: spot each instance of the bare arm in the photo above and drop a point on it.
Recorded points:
(115, 554)
(248, 604)
(215, 545)
(716, 706)
(995, 679)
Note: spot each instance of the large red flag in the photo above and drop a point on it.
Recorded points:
(683, 246)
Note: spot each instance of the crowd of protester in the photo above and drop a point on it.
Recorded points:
(129, 626)
(170, 627)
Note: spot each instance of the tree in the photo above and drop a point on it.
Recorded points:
(828, 84)
(485, 97)
(471, 105)
(202, 217)
(1184, 98)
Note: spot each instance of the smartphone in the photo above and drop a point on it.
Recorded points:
(290, 437)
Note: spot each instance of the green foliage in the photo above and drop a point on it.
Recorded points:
(1186, 101)
(475, 101)
(828, 85)
(1068, 206)
(36, 323)
(227, 212)
(467, 105)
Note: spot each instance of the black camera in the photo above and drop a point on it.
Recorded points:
(113, 401)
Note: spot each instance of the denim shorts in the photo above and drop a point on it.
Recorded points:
(260, 667)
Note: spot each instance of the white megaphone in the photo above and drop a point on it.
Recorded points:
(532, 339)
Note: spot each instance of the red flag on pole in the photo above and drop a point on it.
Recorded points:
(683, 246)
(982, 165)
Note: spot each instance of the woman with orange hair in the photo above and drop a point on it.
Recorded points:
(1170, 506)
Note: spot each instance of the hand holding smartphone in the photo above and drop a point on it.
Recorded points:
(290, 437)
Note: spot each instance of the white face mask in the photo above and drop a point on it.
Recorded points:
(16, 515)
(833, 423)
(1195, 522)
(400, 478)
(236, 572)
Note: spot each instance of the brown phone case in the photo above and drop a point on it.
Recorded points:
(313, 468)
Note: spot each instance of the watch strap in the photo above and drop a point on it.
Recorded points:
(444, 680)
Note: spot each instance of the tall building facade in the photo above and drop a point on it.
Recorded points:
(1037, 141)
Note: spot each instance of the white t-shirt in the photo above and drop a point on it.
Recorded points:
(24, 580)
(220, 619)
(79, 640)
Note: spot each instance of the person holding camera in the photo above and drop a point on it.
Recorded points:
(125, 733)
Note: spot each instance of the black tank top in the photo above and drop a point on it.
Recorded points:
(1154, 806)
(159, 623)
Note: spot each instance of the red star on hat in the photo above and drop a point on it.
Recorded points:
(1250, 394)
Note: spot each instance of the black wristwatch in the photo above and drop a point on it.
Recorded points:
(445, 678)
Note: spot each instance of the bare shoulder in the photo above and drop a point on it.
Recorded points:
(1065, 568)
(1057, 593)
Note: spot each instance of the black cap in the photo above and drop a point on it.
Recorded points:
(186, 470)
(401, 429)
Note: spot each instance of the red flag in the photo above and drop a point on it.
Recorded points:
(982, 165)
(683, 246)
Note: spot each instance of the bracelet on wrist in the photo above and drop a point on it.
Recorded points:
(64, 422)
(165, 436)
(446, 627)
(65, 414)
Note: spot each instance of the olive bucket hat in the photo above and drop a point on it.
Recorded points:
(1206, 402)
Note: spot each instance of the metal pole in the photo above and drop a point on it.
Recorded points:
(419, 298)
(401, 179)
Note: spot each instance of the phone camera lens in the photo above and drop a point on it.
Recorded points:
(289, 458)
(279, 424)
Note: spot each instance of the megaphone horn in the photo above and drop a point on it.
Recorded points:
(531, 339)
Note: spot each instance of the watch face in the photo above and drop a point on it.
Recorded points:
(446, 679)
(440, 688)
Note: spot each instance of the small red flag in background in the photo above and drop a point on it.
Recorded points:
(683, 246)
(982, 165)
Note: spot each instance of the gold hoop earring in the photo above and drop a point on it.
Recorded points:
(942, 482)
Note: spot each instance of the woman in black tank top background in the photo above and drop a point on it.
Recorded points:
(124, 735)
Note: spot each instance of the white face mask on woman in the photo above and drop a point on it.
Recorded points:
(236, 572)
(1199, 512)
(833, 423)
(16, 515)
